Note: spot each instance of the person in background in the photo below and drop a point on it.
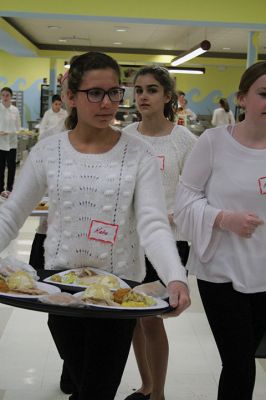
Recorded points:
(10, 124)
(155, 99)
(97, 177)
(184, 110)
(222, 115)
(221, 209)
(60, 77)
(53, 118)
(180, 96)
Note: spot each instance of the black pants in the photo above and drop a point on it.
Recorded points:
(238, 322)
(37, 251)
(7, 159)
(95, 352)
(151, 274)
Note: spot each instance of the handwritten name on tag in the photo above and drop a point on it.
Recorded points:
(102, 231)
(262, 184)
(161, 160)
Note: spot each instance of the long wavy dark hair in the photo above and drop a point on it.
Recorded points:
(78, 67)
(224, 104)
(162, 75)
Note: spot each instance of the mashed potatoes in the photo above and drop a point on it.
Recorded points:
(97, 292)
(20, 280)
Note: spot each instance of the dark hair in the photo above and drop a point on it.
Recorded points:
(241, 117)
(180, 93)
(7, 89)
(162, 75)
(224, 104)
(251, 74)
(56, 97)
(78, 67)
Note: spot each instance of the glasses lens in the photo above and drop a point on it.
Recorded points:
(116, 94)
(95, 95)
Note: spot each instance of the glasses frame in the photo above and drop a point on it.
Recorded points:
(104, 93)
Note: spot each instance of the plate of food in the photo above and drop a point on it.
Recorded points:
(43, 204)
(21, 284)
(100, 296)
(41, 208)
(84, 277)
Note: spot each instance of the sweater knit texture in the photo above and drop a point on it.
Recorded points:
(103, 208)
(172, 151)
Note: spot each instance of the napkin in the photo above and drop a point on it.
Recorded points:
(154, 289)
(10, 264)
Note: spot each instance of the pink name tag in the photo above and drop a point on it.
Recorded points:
(102, 231)
(262, 184)
(161, 162)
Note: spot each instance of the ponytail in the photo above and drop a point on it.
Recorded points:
(72, 119)
(224, 104)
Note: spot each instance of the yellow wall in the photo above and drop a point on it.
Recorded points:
(24, 69)
(203, 91)
(223, 11)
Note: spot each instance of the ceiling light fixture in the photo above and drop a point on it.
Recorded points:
(194, 71)
(172, 70)
(201, 48)
(121, 29)
(54, 27)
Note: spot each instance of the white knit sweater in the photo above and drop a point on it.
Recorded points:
(171, 150)
(102, 207)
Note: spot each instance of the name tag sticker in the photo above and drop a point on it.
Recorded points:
(262, 184)
(102, 231)
(161, 162)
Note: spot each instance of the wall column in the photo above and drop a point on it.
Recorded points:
(53, 79)
(253, 45)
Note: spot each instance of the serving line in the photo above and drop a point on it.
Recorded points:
(86, 311)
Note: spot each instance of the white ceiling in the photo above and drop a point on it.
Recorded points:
(165, 39)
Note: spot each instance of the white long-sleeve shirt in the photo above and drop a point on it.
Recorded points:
(60, 127)
(172, 151)
(102, 208)
(52, 121)
(221, 117)
(222, 174)
(9, 124)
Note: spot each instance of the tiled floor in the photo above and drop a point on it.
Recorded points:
(30, 366)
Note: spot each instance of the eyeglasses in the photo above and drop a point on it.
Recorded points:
(96, 95)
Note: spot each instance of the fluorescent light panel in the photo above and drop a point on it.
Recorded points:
(187, 71)
(192, 53)
(172, 70)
